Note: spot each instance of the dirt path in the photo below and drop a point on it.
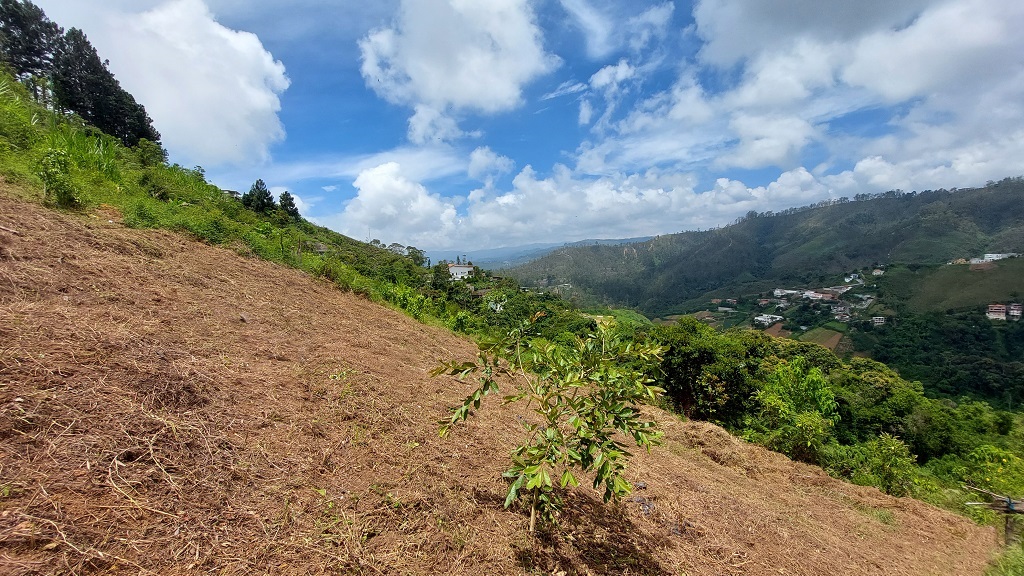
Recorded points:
(168, 407)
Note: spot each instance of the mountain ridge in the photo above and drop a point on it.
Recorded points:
(798, 246)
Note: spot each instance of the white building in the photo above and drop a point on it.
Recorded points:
(460, 271)
(767, 319)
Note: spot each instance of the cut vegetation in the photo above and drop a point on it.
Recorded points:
(169, 407)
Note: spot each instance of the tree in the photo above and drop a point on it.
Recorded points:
(28, 39)
(579, 399)
(258, 198)
(83, 84)
(418, 257)
(796, 410)
(287, 202)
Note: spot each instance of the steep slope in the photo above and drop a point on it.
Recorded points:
(794, 246)
(168, 407)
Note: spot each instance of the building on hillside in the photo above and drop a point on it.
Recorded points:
(996, 312)
(878, 320)
(994, 257)
(877, 272)
(460, 271)
(767, 320)
(1014, 311)
(841, 312)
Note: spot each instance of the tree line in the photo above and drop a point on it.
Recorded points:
(64, 71)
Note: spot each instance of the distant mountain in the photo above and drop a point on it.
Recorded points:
(509, 256)
(797, 246)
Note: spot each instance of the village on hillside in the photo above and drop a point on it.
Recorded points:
(825, 315)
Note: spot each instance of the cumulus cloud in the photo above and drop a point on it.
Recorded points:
(455, 55)
(951, 47)
(485, 164)
(560, 207)
(737, 29)
(611, 76)
(391, 207)
(766, 141)
(939, 80)
(212, 110)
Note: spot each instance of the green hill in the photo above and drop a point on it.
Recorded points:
(801, 246)
(953, 287)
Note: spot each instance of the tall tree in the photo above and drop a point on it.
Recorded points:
(28, 39)
(258, 198)
(83, 84)
(287, 203)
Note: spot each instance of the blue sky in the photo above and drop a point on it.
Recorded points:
(471, 124)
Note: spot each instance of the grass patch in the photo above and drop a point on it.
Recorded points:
(823, 337)
(1011, 563)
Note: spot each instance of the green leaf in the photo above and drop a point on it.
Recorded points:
(513, 491)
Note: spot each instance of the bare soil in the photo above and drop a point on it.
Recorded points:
(777, 331)
(168, 407)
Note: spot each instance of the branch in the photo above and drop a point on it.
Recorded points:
(6, 229)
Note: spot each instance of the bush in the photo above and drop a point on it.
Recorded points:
(581, 401)
(55, 171)
(884, 462)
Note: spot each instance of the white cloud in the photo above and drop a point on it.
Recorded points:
(607, 27)
(767, 141)
(420, 163)
(485, 164)
(564, 89)
(597, 28)
(560, 207)
(428, 124)
(393, 208)
(611, 76)
(586, 112)
(210, 110)
(737, 29)
(455, 55)
(953, 47)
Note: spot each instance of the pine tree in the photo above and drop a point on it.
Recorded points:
(28, 39)
(258, 198)
(287, 202)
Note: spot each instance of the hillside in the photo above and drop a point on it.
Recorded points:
(798, 246)
(169, 407)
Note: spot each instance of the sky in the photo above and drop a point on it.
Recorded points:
(472, 124)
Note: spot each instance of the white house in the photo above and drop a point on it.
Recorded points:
(460, 271)
(767, 319)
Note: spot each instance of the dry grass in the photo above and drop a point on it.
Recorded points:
(168, 407)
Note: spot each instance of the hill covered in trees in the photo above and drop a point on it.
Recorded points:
(799, 246)
(63, 71)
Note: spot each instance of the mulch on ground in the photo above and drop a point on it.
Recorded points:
(168, 407)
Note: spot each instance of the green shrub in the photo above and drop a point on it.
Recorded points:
(581, 399)
(55, 171)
